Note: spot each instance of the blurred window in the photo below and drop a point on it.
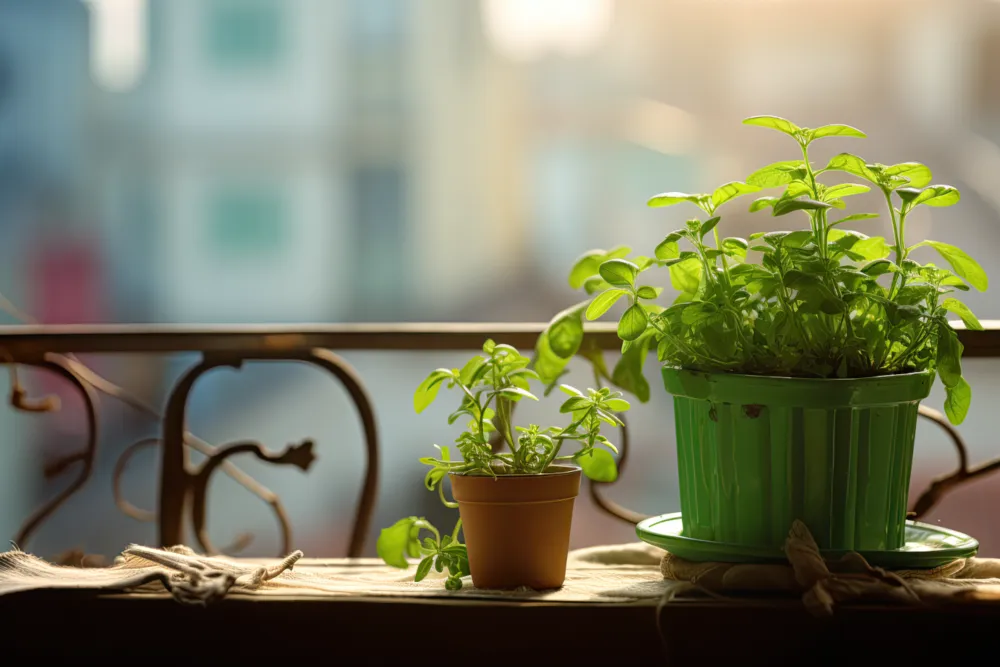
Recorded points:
(377, 24)
(244, 33)
(246, 222)
(379, 220)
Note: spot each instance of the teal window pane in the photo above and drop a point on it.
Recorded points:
(244, 33)
(246, 223)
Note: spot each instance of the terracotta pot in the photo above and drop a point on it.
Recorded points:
(516, 527)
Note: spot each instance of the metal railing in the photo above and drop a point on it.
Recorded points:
(183, 488)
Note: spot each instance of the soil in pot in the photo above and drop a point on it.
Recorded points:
(517, 527)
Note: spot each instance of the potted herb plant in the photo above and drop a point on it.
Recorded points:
(797, 360)
(515, 506)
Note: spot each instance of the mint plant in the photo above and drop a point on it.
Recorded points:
(489, 385)
(821, 302)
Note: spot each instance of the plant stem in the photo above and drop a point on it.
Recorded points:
(897, 236)
(722, 257)
(427, 526)
(444, 501)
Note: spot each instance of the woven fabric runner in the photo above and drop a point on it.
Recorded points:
(605, 574)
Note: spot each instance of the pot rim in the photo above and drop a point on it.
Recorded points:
(792, 378)
(822, 393)
(558, 470)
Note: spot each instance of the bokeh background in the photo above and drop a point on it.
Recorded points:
(276, 161)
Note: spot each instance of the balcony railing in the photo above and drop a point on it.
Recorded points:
(183, 487)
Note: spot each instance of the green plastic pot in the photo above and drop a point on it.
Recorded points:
(754, 453)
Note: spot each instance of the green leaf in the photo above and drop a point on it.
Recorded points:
(575, 403)
(549, 365)
(853, 217)
(393, 542)
(516, 393)
(470, 369)
(762, 203)
(617, 404)
(589, 263)
(775, 174)
(424, 568)
(933, 195)
(598, 465)
(783, 206)
(949, 356)
(619, 272)
(775, 123)
(565, 331)
(648, 292)
(730, 191)
(963, 311)
(844, 190)
(709, 225)
(914, 293)
(917, 174)
(735, 247)
(627, 373)
(594, 285)
(852, 164)
(632, 323)
(603, 302)
(668, 248)
(796, 279)
(671, 198)
(697, 312)
(586, 266)
(957, 401)
(685, 276)
(428, 389)
(872, 248)
(961, 263)
(834, 131)
(879, 267)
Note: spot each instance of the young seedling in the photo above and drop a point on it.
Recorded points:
(489, 385)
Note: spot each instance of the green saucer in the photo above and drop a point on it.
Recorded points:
(926, 546)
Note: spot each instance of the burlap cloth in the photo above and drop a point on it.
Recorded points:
(606, 574)
(823, 584)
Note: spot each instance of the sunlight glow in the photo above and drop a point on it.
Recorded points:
(529, 29)
(118, 43)
(659, 127)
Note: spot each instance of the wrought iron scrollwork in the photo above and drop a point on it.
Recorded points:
(943, 485)
(180, 486)
(597, 488)
(62, 367)
(300, 456)
(52, 348)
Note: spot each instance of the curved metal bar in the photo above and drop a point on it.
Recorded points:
(176, 477)
(944, 485)
(366, 501)
(956, 438)
(300, 456)
(597, 488)
(60, 366)
(174, 472)
(124, 506)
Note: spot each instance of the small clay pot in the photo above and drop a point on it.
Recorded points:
(516, 527)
